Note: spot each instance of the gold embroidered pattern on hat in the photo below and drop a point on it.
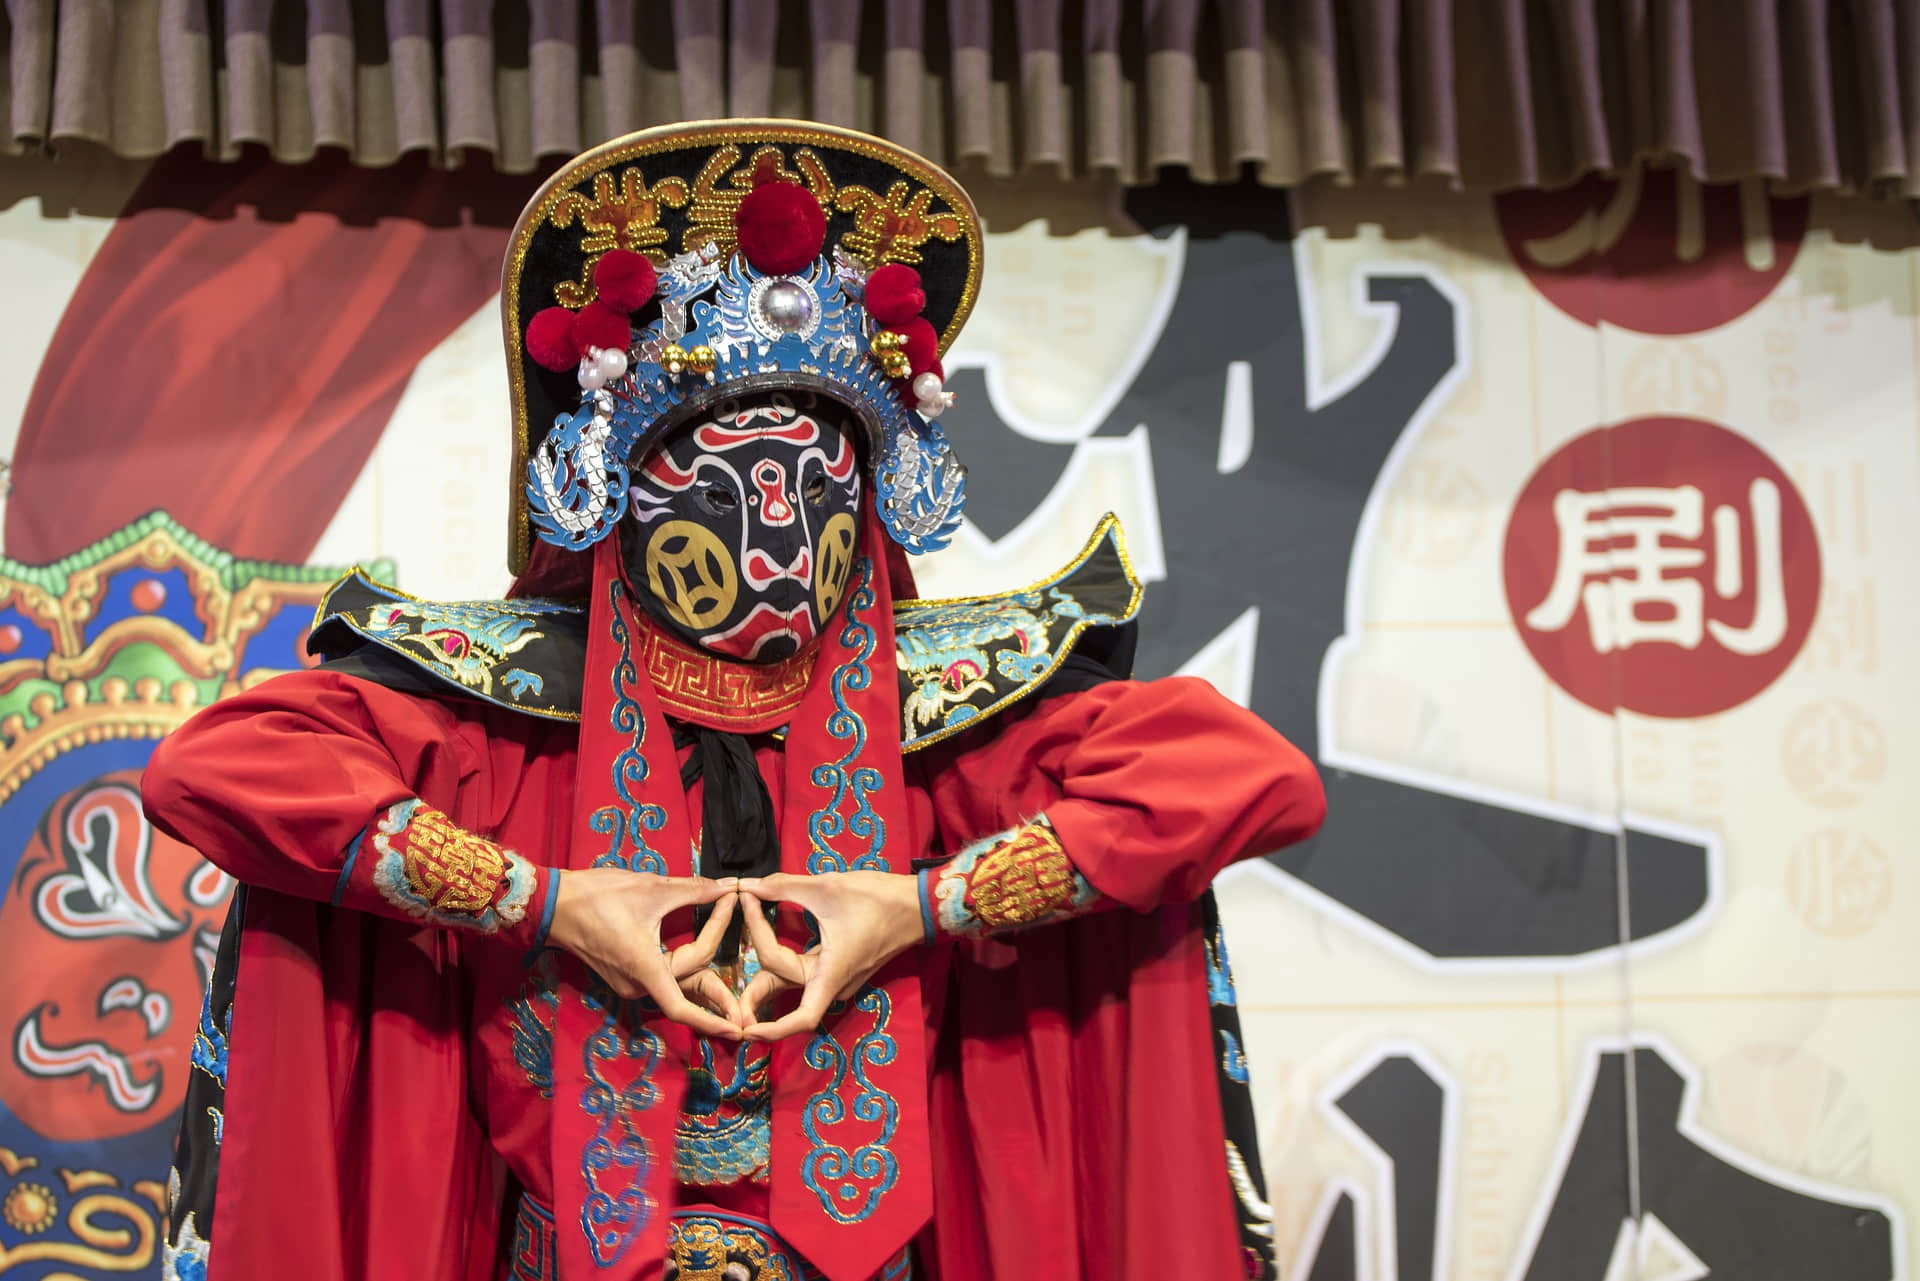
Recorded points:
(626, 218)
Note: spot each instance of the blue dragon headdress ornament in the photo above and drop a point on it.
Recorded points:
(666, 272)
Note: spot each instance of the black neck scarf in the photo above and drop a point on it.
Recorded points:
(737, 832)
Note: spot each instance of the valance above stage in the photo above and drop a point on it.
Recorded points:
(1495, 94)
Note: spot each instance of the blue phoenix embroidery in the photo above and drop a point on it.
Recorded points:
(850, 1184)
(617, 1161)
(626, 829)
(184, 1258)
(1219, 972)
(210, 1041)
(842, 775)
(533, 1012)
(725, 1133)
(1232, 1061)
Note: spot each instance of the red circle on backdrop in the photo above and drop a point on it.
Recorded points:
(1665, 565)
(10, 638)
(1641, 255)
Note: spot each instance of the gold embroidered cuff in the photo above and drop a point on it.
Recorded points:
(434, 870)
(1012, 880)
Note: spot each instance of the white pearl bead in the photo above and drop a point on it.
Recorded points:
(926, 386)
(591, 379)
(611, 363)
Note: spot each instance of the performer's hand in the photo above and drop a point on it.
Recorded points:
(610, 918)
(865, 918)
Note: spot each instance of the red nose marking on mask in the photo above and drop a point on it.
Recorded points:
(770, 478)
(763, 571)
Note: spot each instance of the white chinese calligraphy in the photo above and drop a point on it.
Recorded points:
(1621, 556)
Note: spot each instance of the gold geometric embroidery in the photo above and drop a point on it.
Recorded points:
(435, 871)
(1023, 881)
(744, 697)
(450, 868)
(626, 219)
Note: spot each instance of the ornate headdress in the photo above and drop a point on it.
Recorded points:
(673, 269)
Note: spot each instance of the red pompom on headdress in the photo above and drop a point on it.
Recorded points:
(781, 228)
(893, 295)
(598, 325)
(625, 280)
(922, 345)
(550, 339)
(558, 339)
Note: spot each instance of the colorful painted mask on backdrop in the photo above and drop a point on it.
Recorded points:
(741, 527)
(116, 924)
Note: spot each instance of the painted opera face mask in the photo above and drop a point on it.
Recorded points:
(115, 924)
(741, 526)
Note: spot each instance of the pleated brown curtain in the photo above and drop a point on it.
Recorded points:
(1810, 94)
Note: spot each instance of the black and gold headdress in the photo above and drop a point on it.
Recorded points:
(671, 269)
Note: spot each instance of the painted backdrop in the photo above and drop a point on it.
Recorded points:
(1565, 529)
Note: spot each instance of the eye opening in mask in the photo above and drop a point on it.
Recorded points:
(817, 491)
(719, 499)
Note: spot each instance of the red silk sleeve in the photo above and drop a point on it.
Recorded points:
(1152, 786)
(331, 788)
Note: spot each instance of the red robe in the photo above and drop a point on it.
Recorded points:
(374, 1106)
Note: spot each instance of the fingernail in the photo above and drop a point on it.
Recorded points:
(728, 882)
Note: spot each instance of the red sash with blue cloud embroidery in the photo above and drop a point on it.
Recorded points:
(850, 1180)
(617, 1066)
(852, 1177)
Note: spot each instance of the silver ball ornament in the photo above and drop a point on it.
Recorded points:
(787, 306)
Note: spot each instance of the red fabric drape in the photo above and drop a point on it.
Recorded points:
(239, 342)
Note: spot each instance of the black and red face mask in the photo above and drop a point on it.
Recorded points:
(741, 527)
